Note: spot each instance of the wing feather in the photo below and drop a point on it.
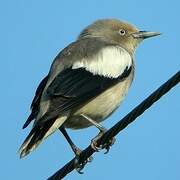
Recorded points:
(36, 101)
(75, 87)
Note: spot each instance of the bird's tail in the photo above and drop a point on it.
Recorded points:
(38, 133)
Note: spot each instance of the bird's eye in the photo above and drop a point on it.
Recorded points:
(122, 32)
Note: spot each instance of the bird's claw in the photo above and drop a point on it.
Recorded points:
(108, 145)
(80, 166)
(105, 146)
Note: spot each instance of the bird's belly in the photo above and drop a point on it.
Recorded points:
(99, 108)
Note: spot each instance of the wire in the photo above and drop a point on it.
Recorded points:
(123, 123)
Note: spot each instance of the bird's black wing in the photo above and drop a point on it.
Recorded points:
(74, 87)
(76, 50)
(36, 101)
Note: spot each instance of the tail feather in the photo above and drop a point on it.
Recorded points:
(34, 138)
(38, 133)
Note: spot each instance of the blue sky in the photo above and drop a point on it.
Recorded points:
(33, 32)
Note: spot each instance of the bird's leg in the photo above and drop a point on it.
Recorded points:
(76, 151)
(100, 127)
(102, 131)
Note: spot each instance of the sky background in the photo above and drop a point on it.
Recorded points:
(31, 35)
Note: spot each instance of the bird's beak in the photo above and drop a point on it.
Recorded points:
(145, 34)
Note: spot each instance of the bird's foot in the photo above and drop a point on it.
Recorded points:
(79, 166)
(106, 146)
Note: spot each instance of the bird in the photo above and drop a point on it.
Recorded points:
(86, 83)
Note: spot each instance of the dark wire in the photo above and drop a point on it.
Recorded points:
(123, 123)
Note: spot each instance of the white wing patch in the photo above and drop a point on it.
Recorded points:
(110, 62)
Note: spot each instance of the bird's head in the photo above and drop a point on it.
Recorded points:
(117, 32)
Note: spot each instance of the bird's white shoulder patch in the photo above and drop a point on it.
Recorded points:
(109, 62)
